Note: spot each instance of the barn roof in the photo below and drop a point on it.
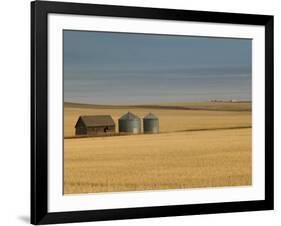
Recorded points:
(96, 120)
(129, 116)
(150, 116)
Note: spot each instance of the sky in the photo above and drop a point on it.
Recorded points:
(127, 68)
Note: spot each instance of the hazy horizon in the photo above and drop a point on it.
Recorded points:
(124, 68)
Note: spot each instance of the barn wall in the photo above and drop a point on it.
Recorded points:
(100, 130)
(80, 129)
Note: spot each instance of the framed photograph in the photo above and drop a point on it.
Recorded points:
(145, 112)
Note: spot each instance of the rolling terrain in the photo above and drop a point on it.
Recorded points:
(200, 145)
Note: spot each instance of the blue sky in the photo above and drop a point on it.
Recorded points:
(124, 68)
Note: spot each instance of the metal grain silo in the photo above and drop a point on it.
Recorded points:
(150, 124)
(129, 123)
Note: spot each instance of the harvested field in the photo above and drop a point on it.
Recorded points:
(196, 148)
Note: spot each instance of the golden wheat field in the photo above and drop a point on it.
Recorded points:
(183, 116)
(199, 145)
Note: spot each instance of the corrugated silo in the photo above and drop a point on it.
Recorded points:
(129, 123)
(150, 124)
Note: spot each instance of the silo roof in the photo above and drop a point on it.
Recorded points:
(150, 116)
(129, 116)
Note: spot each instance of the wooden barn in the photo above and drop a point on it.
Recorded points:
(95, 125)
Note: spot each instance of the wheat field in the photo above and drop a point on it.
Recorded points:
(210, 115)
(206, 147)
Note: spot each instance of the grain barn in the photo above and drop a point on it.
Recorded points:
(150, 124)
(95, 125)
(129, 123)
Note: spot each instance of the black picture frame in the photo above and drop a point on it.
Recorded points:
(39, 112)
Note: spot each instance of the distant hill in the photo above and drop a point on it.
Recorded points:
(206, 106)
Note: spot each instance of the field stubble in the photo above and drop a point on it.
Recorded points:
(170, 160)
